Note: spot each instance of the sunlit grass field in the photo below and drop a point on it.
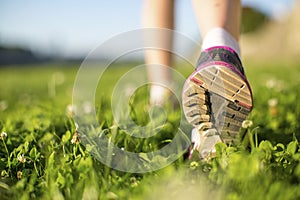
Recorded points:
(42, 157)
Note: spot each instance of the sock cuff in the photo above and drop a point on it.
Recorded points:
(220, 37)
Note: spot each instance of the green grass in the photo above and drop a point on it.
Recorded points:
(39, 161)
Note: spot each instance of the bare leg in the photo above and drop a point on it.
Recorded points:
(218, 13)
(159, 14)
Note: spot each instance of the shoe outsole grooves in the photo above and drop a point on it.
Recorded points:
(219, 95)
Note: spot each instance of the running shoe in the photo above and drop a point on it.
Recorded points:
(216, 98)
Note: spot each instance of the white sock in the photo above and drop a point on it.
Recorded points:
(220, 37)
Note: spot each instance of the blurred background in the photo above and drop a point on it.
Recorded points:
(41, 31)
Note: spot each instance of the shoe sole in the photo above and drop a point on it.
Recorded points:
(218, 94)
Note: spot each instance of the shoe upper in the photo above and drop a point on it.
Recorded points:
(223, 54)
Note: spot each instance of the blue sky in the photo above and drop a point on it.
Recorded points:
(72, 28)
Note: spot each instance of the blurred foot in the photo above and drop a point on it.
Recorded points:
(217, 98)
(158, 95)
(163, 97)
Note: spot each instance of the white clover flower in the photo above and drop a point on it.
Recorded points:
(273, 102)
(75, 138)
(21, 158)
(3, 105)
(87, 107)
(3, 135)
(71, 110)
(247, 124)
(271, 83)
(275, 84)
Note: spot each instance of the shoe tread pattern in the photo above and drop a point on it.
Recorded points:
(217, 94)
